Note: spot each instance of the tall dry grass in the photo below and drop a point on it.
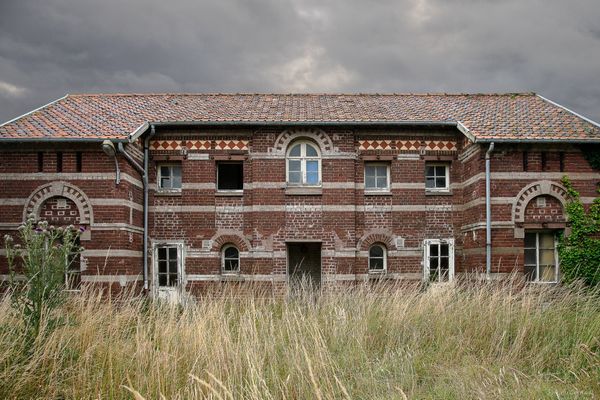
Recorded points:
(456, 343)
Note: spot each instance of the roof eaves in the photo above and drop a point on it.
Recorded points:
(144, 127)
(538, 140)
(35, 110)
(60, 139)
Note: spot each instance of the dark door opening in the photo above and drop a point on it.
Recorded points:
(304, 264)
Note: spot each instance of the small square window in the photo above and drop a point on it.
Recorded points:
(377, 177)
(437, 177)
(230, 176)
(169, 177)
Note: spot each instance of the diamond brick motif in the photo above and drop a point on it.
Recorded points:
(199, 144)
(165, 144)
(231, 145)
(375, 144)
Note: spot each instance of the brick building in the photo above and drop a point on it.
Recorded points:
(271, 188)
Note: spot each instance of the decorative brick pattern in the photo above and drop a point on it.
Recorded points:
(376, 144)
(407, 145)
(198, 144)
(231, 145)
(165, 145)
(59, 211)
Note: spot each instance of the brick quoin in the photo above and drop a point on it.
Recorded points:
(263, 219)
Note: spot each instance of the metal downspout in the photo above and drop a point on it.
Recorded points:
(145, 182)
(488, 214)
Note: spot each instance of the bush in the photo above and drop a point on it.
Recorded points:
(579, 252)
(38, 265)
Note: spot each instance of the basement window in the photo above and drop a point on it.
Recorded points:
(231, 260)
(230, 176)
(377, 258)
(169, 177)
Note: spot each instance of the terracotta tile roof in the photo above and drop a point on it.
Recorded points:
(487, 116)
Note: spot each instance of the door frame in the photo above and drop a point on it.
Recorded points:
(179, 289)
(451, 255)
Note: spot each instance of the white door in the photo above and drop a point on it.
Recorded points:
(438, 260)
(168, 280)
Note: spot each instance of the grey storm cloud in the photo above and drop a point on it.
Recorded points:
(52, 47)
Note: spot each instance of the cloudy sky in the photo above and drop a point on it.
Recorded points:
(52, 47)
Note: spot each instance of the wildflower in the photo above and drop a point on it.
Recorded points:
(8, 238)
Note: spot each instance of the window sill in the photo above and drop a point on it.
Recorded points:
(167, 192)
(376, 272)
(378, 193)
(304, 191)
(230, 193)
(444, 192)
(231, 277)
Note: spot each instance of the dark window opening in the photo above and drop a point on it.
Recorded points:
(561, 160)
(78, 161)
(59, 162)
(40, 159)
(231, 259)
(230, 176)
(525, 161)
(544, 161)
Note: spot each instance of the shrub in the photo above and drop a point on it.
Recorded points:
(580, 251)
(41, 258)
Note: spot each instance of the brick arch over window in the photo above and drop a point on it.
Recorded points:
(61, 189)
(528, 193)
(222, 239)
(370, 238)
(317, 135)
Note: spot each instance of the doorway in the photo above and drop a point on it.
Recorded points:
(304, 264)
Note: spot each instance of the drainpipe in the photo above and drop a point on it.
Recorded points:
(145, 180)
(488, 214)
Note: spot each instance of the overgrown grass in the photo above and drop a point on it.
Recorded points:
(456, 343)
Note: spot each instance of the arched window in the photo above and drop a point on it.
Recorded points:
(231, 259)
(377, 258)
(303, 164)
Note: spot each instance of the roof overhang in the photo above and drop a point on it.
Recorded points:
(146, 125)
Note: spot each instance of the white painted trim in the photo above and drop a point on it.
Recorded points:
(111, 253)
(67, 176)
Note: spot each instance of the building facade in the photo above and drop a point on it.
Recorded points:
(273, 189)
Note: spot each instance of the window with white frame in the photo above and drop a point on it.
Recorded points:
(437, 177)
(377, 258)
(167, 266)
(303, 164)
(377, 177)
(541, 258)
(438, 265)
(169, 177)
(231, 259)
